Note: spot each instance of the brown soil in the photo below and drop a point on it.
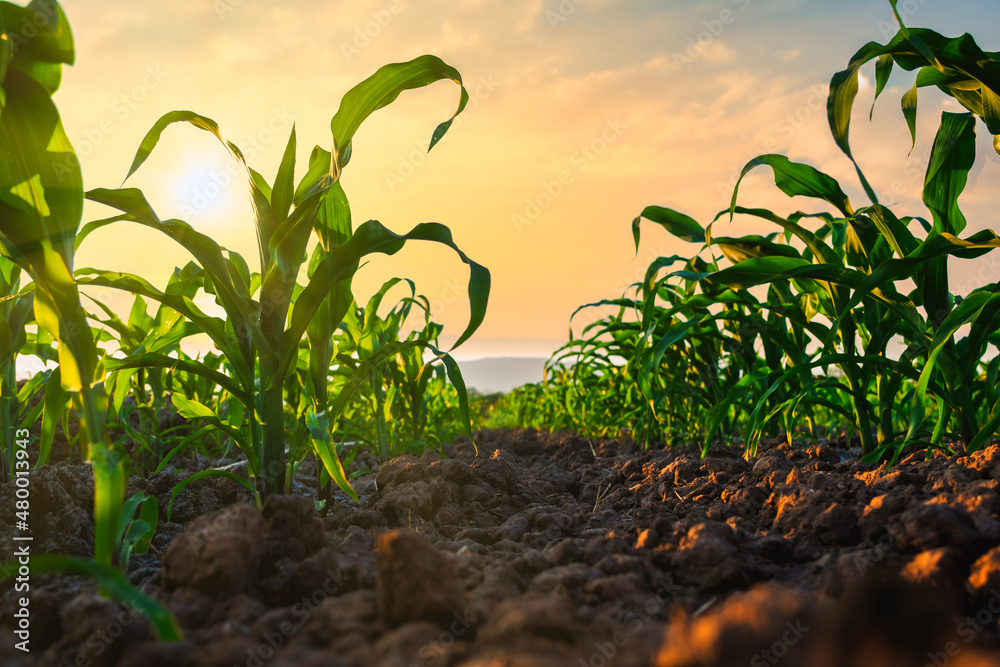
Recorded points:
(546, 550)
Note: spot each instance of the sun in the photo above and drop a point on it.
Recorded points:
(208, 188)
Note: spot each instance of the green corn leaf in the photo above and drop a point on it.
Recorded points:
(317, 176)
(284, 181)
(122, 387)
(112, 581)
(157, 360)
(991, 112)
(340, 265)
(909, 107)
(128, 517)
(183, 445)
(952, 157)
(191, 409)
(319, 427)
(456, 379)
(287, 249)
(737, 250)
(682, 226)
(211, 326)
(759, 270)
(893, 230)
(55, 401)
(987, 430)
(41, 187)
(379, 90)
(94, 225)
(153, 136)
(41, 54)
(883, 68)
(796, 179)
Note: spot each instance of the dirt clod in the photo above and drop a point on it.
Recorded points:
(552, 549)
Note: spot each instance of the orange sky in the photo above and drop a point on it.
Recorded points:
(582, 113)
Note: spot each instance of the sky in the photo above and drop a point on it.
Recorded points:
(582, 113)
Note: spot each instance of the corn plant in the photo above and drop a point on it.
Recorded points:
(15, 316)
(846, 270)
(135, 534)
(142, 334)
(384, 374)
(759, 333)
(260, 336)
(41, 205)
(41, 202)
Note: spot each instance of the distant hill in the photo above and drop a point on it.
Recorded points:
(500, 374)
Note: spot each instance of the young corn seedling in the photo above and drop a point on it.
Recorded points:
(41, 205)
(384, 374)
(41, 202)
(141, 334)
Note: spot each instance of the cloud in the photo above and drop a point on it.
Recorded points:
(756, 87)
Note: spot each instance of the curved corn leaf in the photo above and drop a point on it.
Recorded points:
(380, 89)
(213, 327)
(41, 54)
(340, 265)
(191, 409)
(229, 286)
(797, 179)
(680, 225)
(113, 582)
(319, 428)
(157, 360)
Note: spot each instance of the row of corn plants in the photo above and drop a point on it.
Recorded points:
(796, 329)
(297, 367)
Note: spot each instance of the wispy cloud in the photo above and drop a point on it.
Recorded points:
(698, 87)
